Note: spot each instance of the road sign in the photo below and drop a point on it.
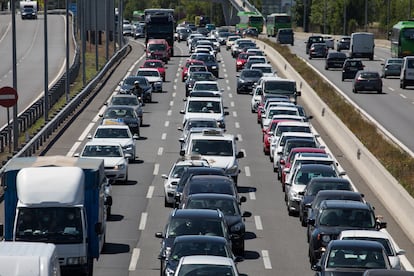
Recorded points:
(8, 96)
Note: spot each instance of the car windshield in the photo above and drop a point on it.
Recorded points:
(206, 87)
(130, 81)
(112, 133)
(264, 69)
(195, 226)
(316, 187)
(125, 101)
(227, 206)
(205, 269)
(204, 107)
(370, 75)
(385, 242)
(282, 129)
(208, 58)
(157, 47)
(303, 178)
(197, 69)
(200, 76)
(344, 217)
(356, 258)
(280, 87)
(212, 147)
(102, 151)
(189, 248)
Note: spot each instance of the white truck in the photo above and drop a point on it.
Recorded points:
(362, 45)
(28, 9)
(29, 259)
(59, 200)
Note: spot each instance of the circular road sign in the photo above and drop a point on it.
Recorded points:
(8, 96)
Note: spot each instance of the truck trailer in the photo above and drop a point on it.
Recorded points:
(59, 200)
(160, 23)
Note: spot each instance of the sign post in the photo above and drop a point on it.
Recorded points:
(8, 98)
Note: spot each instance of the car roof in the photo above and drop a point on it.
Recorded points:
(196, 213)
(102, 143)
(343, 244)
(113, 126)
(261, 65)
(211, 178)
(329, 179)
(308, 149)
(365, 233)
(119, 107)
(200, 238)
(312, 167)
(147, 69)
(211, 196)
(338, 193)
(293, 123)
(213, 99)
(207, 259)
(344, 204)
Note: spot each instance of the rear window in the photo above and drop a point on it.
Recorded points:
(370, 75)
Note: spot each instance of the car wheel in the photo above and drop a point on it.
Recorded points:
(343, 78)
(303, 221)
(379, 91)
(403, 86)
(141, 123)
(126, 178)
(326, 68)
(240, 250)
(166, 204)
(354, 90)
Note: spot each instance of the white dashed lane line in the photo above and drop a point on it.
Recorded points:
(167, 123)
(236, 125)
(143, 221)
(403, 96)
(150, 191)
(258, 222)
(252, 195)
(164, 136)
(169, 112)
(171, 103)
(232, 104)
(156, 169)
(134, 259)
(247, 171)
(239, 137)
(160, 150)
(266, 259)
(235, 114)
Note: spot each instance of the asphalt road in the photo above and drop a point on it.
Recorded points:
(276, 243)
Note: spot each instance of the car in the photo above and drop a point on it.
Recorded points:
(172, 178)
(28, 13)
(285, 36)
(256, 98)
(127, 87)
(251, 31)
(229, 41)
(222, 36)
(351, 67)
(313, 39)
(335, 60)
(115, 161)
(387, 272)
(267, 69)
(190, 245)
(207, 86)
(265, 101)
(157, 64)
(153, 76)
(392, 250)
(117, 133)
(191, 37)
(209, 61)
(351, 258)
(196, 122)
(300, 179)
(310, 142)
(129, 100)
(229, 206)
(255, 52)
(407, 72)
(188, 63)
(279, 87)
(122, 114)
(343, 43)
(206, 265)
(218, 148)
(367, 81)
(329, 41)
(315, 185)
(335, 216)
(391, 67)
(268, 133)
(182, 34)
(127, 29)
(246, 80)
(138, 32)
(182, 222)
(197, 76)
(241, 60)
(318, 50)
(278, 110)
(240, 44)
(158, 48)
(207, 107)
(190, 171)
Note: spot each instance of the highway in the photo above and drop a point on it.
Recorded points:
(30, 56)
(276, 243)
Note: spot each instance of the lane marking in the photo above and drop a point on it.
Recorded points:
(252, 195)
(266, 259)
(230, 95)
(164, 136)
(150, 191)
(239, 137)
(160, 150)
(235, 114)
(143, 222)
(403, 96)
(237, 125)
(258, 222)
(228, 88)
(232, 104)
(174, 94)
(171, 103)
(247, 171)
(156, 169)
(86, 132)
(73, 149)
(390, 88)
(134, 259)
(169, 112)
(167, 123)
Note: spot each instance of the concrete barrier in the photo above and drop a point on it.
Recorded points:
(392, 195)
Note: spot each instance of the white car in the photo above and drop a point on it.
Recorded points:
(206, 265)
(266, 69)
(119, 134)
(172, 178)
(115, 162)
(153, 76)
(207, 86)
(219, 149)
(278, 110)
(392, 249)
(230, 40)
(206, 107)
(256, 97)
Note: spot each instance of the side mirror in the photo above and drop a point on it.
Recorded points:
(316, 268)
(135, 136)
(159, 235)
(243, 199)
(311, 221)
(181, 140)
(240, 154)
(226, 113)
(246, 214)
(302, 193)
(1, 230)
(298, 93)
(180, 128)
(89, 136)
(182, 112)
(182, 152)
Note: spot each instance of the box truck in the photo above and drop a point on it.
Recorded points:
(362, 45)
(59, 200)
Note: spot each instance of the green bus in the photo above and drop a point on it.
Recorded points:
(276, 21)
(402, 39)
(250, 19)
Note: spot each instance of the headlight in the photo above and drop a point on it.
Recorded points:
(221, 124)
(241, 80)
(326, 238)
(167, 251)
(119, 167)
(233, 169)
(128, 147)
(158, 83)
(76, 260)
(292, 99)
(214, 67)
(169, 271)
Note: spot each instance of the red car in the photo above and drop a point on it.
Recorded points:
(241, 60)
(267, 133)
(287, 163)
(188, 63)
(157, 64)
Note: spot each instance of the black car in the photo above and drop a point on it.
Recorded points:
(197, 76)
(335, 60)
(246, 80)
(252, 31)
(122, 114)
(28, 13)
(318, 50)
(352, 257)
(367, 81)
(229, 206)
(313, 39)
(182, 222)
(217, 184)
(189, 245)
(183, 34)
(127, 85)
(210, 61)
(351, 67)
(285, 36)
(188, 172)
(335, 216)
(130, 100)
(319, 184)
(343, 43)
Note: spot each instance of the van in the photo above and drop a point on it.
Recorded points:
(29, 259)
(279, 87)
(362, 45)
(158, 49)
(285, 36)
(407, 72)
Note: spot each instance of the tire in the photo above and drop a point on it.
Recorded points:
(343, 78)
(354, 90)
(166, 204)
(240, 251)
(126, 178)
(379, 91)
